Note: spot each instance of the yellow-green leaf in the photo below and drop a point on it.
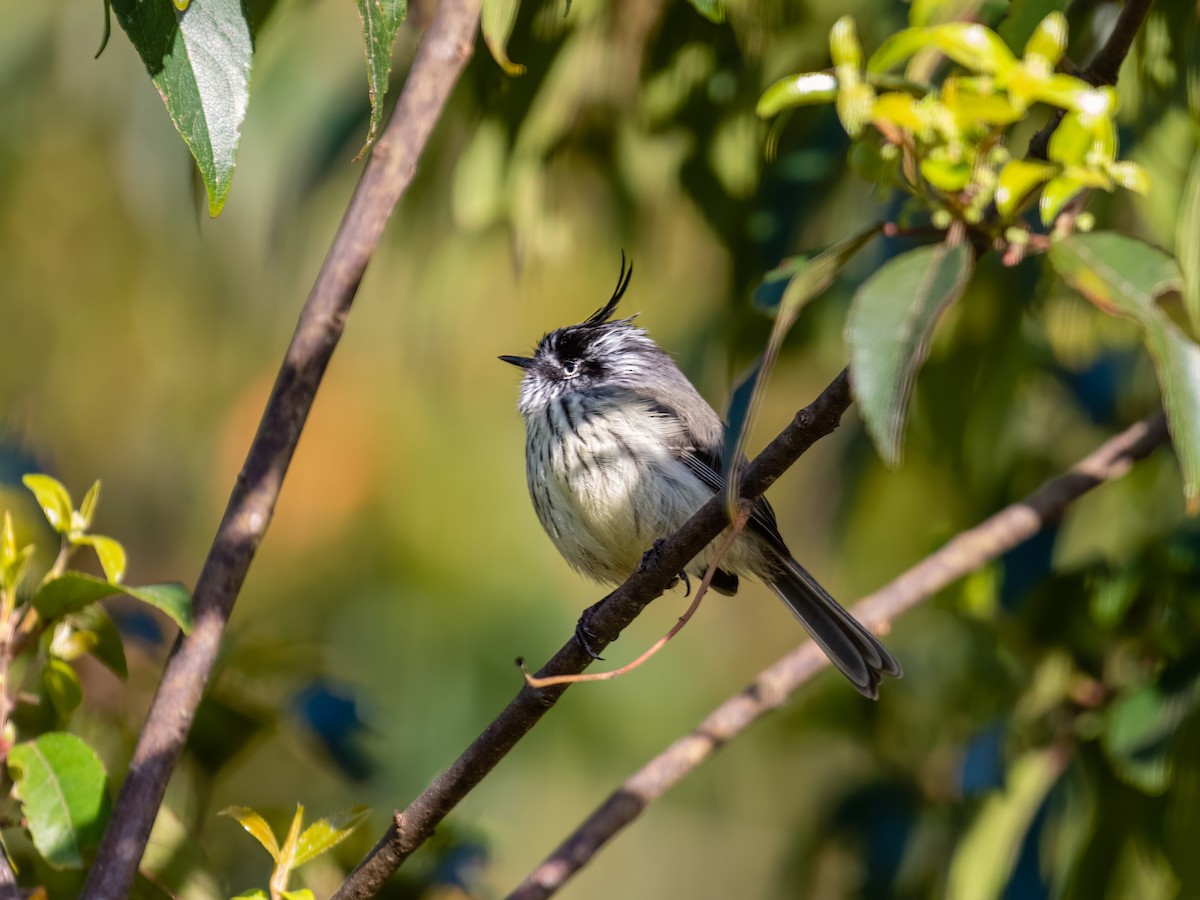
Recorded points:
(1049, 39)
(972, 46)
(497, 20)
(1055, 195)
(988, 850)
(87, 509)
(1017, 180)
(946, 175)
(53, 499)
(256, 825)
(111, 555)
(806, 89)
(326, 833)
(844, 48)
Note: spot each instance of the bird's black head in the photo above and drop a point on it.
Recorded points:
(584, 356)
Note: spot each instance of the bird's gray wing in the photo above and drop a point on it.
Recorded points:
(704, 460)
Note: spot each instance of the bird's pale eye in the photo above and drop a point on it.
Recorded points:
(571, 368)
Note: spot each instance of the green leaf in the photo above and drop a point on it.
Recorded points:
(806, 89)
(1177, 362)
(300, 894)
(988, 851)
(111, 554)
(1123, 277)
(1017, 180)
(62, 687)
(14, 563)
(1187, 242)
(87, 509)
(946, 175)
(1138, 729)
(972, 46)
(1049, 39)
(326, 833)
(844, 48)
(53, 499)
(380, 22)
(497, 19)
(71, 592)
(171, 597)
(256, 825)
(199, 61)
(713, 10)
(890, 326)
(1023, 18)
(1057, 193)
(63, 790)
(810, 279)
(96, 633)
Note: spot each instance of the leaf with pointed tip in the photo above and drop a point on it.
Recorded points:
(890, 326)
(806, 89)
(326, 833)
(63, 790)
(110, 553)
(199, 60)
(380, 22)
(497, 19)
(1124, 277)
(53, 498)
(256, 825)
(87, 509)
(810, 279)
(72, 591)
(170, 597)
(1023, 18)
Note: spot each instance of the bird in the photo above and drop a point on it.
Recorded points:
(621, 450)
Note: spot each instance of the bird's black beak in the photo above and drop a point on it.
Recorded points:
(523, 362)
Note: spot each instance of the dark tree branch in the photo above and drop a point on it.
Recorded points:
(414, 825)
(965, 553)
(1103, 68)
(443, 52)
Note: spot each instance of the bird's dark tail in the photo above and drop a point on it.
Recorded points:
(855, 651)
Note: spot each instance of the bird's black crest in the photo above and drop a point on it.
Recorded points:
(600, 316)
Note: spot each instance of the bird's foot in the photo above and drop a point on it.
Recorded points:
(584, 634)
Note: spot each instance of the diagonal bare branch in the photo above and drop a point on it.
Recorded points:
(415, 825)
(965, 553)
(443, 52)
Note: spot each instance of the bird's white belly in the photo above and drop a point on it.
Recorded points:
(605, 487)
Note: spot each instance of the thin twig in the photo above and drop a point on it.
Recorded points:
(1101, 70)
(415, 824)
(443, 52)
(553, 680)
(965, 553)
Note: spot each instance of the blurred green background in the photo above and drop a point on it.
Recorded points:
(1046, 727)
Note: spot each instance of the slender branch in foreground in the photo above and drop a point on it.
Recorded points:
(654, 575)
(1102, 69)
(965, 553)
(443, 52)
